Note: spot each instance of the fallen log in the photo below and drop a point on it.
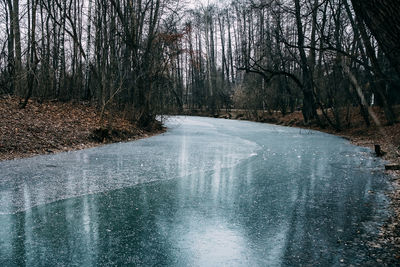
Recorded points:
(392, 167)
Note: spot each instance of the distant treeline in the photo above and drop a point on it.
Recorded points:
(148, 57)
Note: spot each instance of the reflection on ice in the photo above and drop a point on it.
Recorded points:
(212, 243)
(209, 192)
(120, 165)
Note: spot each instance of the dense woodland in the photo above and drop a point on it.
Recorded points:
(149, 57)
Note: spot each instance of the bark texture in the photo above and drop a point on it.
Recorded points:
(382, 18)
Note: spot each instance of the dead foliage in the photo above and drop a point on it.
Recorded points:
(50, 127)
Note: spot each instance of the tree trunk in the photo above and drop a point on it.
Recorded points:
(10, 33)
(382, 18)
(309, 107)
(18, 51)
(32, 62)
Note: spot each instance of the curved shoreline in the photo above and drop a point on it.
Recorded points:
(53, 127)
(385, 136)
(35, 124)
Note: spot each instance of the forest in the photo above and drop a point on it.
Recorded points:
(150, 57)
(79, 74)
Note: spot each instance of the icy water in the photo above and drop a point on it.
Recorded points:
(209, 192)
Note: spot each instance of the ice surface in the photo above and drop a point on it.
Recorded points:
(209, 192)
(184, 151)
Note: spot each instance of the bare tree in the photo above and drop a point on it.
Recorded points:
(381, 17)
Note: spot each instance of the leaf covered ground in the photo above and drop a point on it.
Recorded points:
(50, 127)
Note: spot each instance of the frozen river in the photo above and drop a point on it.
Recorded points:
(208, 192)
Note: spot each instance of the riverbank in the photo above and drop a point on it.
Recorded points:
(52, 127)
(386, 136)
(355, 130)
